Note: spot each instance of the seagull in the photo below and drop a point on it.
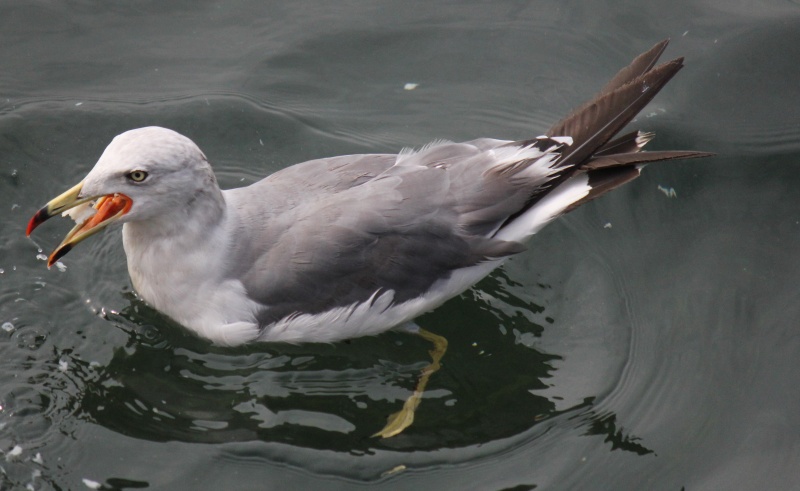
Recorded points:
(355, 245)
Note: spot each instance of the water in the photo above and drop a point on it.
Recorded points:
(647, 341)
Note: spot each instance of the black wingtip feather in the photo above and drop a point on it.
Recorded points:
(604, 180)
(595, 124)
(638, 158)
(611, 163)
(638, 67)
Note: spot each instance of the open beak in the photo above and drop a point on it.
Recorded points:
(105, 210)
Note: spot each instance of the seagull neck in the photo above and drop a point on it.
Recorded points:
(189, 222)
(175, 252)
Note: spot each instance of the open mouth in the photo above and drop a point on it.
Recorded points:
(90, 214)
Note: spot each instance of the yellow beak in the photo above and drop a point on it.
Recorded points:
(108, 209)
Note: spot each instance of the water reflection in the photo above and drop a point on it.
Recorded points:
(167, 385)
(604, 423)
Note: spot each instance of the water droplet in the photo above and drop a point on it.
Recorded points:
(14, 452)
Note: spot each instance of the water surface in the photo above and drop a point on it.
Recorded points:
(646, 341)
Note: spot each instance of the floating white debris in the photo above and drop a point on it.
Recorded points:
(14, 452)
(7, 327)
(607, 225)
(394, 470)
(14, 206)
(61, 266)
(37, 459)
(78, 103)
(669, 192)
(261, 142)
(651, 114)
(91, 484)
(63, 365)
(41, 257)
(410, 86)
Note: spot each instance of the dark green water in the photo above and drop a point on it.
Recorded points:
(644, 341)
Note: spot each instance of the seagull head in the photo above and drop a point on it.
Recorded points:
(146, 174)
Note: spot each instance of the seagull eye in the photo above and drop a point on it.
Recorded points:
(137, 175)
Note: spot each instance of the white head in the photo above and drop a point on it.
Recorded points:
(153, 177)
(160, 170)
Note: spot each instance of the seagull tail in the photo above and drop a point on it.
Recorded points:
(596, 162)
(611, 163)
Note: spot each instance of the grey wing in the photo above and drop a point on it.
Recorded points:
(403, 230)
(373, 223)
(308, 181)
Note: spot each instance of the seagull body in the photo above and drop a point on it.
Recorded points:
(355, 245)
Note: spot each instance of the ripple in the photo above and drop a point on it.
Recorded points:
(753, 114)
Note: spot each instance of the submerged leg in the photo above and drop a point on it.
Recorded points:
(403, 418)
